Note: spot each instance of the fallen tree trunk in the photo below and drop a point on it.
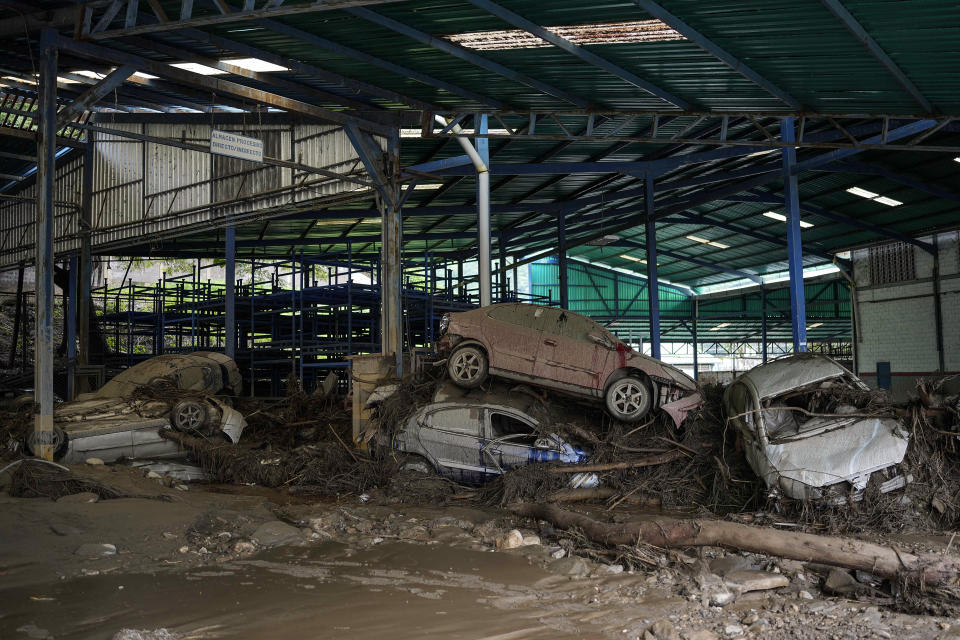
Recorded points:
(598, 493)
(649, 461)
(923, 570)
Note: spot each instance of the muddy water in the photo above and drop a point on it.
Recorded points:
(392, 590)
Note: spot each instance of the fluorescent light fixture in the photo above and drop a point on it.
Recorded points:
(890, 202)
(628, 257)
(201, 69)
(815, 325)
(782, 218)
(603, 240)
(582, 34)
(145, 76)
(712, 243)
(89, 74)
(863, 193)
(256, 64)
(63, 80)
(719, 326)
(876, 197)
(957, 159)
(427, 186)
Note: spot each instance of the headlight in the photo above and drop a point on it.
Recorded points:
(444, 323)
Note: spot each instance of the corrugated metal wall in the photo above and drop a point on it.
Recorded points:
(146, 189)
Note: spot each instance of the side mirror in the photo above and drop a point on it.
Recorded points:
(600, 340)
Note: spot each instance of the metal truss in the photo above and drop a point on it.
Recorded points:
(751, 129)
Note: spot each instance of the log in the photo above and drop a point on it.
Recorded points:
(649, 461)
(927, 570)
(598, 493)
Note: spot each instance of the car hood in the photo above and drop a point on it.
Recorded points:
(654, 367)
(835, 454)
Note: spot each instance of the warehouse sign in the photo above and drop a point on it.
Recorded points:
(225, 143)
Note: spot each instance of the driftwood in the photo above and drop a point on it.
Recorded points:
(649, 461)
(887, 561)
(598, 493)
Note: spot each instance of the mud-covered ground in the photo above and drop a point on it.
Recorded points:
(247, 562)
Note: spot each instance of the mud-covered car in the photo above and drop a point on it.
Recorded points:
(562, 351)
(805, 435)
(188, 392)
(473, 436)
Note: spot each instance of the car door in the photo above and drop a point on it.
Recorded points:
(568, 354)
(512, 334)
(452, 436)
(512, 442)
(747, 418)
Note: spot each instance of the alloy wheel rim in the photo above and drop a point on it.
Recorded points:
(466, 366)
(190, 416)
(628, 398)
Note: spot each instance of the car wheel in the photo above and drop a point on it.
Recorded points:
(629, 399)
(417, 464)
(467, 367)
(61, 443)
(188, 415)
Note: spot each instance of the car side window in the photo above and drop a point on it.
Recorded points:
(504, 425)
(577, 327)
(463, 420)
(554, 320)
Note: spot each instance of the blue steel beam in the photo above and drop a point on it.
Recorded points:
(653, 279)
(86, 100)
(438, 165)
(685, 258)
(853, 25)
(918, 126)
(468, 56)
(584, 54)
(798, 311)
(727, 58)
(866, 168)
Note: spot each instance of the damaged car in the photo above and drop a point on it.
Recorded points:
(471, 436)
(811, 430)
(565, 352)
(188, 392)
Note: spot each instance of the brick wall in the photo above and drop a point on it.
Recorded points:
(896, 322)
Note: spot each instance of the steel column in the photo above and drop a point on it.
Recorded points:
(798, 303)
(696, 345)
(16, 318)
(85, 271)
(503, 267)
(653, 280)
(44, 444)
(564, 280)
(763, 322)
(391, 250)
(70, 316)
(482, 146)
(230, 282)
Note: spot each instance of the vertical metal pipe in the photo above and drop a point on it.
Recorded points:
(937, 309)
(230, 292)
(563, 280)
(696, 344)
(71, 328)
(653, 280)
(483, 221)
(791, 194)
(85, 274)
(46, 172)
(391, 280)
(763, 321)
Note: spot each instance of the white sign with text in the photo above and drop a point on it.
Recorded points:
(225, 143)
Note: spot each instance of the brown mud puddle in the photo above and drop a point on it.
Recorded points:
(393, 590)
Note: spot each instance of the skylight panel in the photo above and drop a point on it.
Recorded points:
(863, 193)
(201, 69)
(631, 32)
(256, 64)
(782, 218)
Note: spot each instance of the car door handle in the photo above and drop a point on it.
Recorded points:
(552, 343)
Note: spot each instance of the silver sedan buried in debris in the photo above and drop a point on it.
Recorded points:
(119, 420)
(473, 436)
(806, 437)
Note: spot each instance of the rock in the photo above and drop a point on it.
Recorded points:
(83, 497)
(65, 529)
(714, 591)
(700, 634)
(96, 550)
(663, 630)
(181, 487)
(841, 583)
(276, 533)
(333, 521)
(571, 566)
(94, 461)
(244, 547)
(530, 540)
(752, 580)
(153, 475)
(614, 568)
(805, 595)
(184, 549)
(750, 619)
(558, 553)
(727, 564)
(761, 625)
(732, 630)
(511, 540)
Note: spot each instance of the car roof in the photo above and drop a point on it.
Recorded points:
(798, 370)
(495, 395)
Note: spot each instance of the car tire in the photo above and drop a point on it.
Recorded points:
(188, 415)
(61, 443)
(629, 399)
(467, 367)
(418, 465)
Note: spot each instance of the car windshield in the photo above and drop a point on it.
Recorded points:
(807, 410)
